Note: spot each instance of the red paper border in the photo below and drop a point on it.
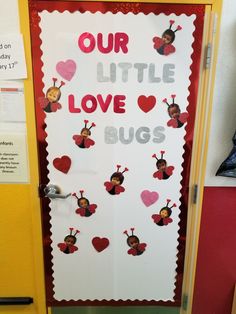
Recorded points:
(36, 6)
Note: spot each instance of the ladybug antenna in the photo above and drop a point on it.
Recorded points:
(126, 169)
(173, 99)
(54, 81)
(126, 232)
(132, 231)
(174, 205)
(62, 84)
(71, 229)
(155, 156)
(162, 153)
(81, 192)
(92, 125)
(178, 28)
(118, 167)
(168, 201)
(165, 101)
(76, 232)
(85, 123)
(74, 194)
(171, 23)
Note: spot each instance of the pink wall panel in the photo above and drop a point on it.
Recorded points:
(216, 264)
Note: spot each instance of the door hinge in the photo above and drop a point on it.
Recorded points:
(195, 193)
(185, 302)
(208, 56)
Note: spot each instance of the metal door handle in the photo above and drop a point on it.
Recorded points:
(53, 191)
(15, 300)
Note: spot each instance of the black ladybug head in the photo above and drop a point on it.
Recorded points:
(161, 162)
(71, 238)
(169, 35)
(82, 201)
(166, 211)
(132, 240)
(86, 130)
(118, 176)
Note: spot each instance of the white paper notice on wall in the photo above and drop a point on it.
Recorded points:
(13, 158)
(12, 57)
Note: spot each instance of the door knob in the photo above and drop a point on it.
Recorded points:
(53, 191)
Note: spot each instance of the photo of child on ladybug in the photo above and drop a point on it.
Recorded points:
(163, 218)
(114, 186)
(178, 119)
(136, 248)
(83, 140)
(50, 102)
(164, 45)
(68, 247)
(164, 171)
(85, 208)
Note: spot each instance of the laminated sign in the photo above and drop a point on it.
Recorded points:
(115, 98)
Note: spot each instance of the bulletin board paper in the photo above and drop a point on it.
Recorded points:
(134, 139)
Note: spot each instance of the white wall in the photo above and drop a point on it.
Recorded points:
(223, 123)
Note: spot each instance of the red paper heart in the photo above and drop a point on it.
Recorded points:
(62, 164)
(146, 103)
(100, 244)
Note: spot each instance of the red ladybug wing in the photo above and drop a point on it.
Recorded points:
(169, 170)
(169, 49)
(92, 208)
(55, 106)
(73, 248)
(158, 174)
(158, 42)
(142, 247)
(62, 246)
(167, 221)
(108, 185)
(132, 252)
(43, 102)
(88, 142)
(172, 123)
(156, 218)
(183, 117)
(80, 211)
(119, 189)
(78, 139)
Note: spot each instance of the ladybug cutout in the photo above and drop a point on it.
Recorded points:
(114, 186)
(163, 218)
(164, 171)
(50, 102)
(178, 119)
(164, 45)
(85, 208)
(83, 140)
(68, 247)
(136, 248)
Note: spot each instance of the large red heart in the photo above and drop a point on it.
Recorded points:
(62, 164)
(146, 103)
(100, 244)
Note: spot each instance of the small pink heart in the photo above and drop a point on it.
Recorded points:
(66, 69)
(149, 197)
(100, 244)
(146, 103)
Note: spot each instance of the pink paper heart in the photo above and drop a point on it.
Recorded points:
(149, 197)
(66, 69)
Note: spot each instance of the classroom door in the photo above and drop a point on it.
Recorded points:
(115, 95)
